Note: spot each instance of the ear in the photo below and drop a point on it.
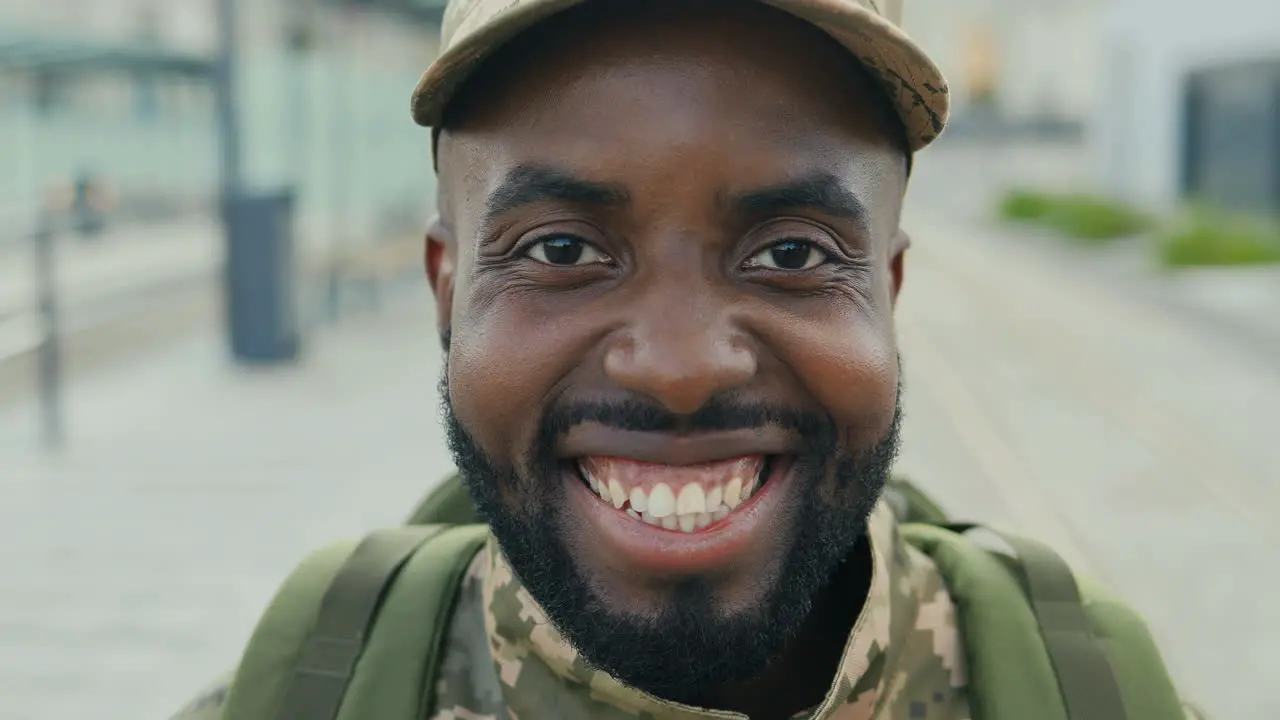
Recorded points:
(441, 265)
(897, 259)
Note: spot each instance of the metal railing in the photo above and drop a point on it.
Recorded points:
(23, 330)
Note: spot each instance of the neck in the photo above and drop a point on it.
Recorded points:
(802, 674)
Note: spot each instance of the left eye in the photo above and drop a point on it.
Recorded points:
(789, 255)
(565, 250)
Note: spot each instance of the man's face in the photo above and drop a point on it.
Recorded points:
(666, 267)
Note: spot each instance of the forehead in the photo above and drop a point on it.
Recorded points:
(679, 100)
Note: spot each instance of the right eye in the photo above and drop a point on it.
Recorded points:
(565, 251)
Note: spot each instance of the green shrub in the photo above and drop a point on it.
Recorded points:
(1207, 238)
(1094, 220)
(1024, 205)
(1081, 217)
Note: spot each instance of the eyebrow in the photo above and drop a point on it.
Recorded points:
(822, 192)
(530, 184)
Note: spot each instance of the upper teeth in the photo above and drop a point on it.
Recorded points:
(692, 507)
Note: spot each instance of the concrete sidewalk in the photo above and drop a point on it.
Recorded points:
(1121, 430)
(137, 562)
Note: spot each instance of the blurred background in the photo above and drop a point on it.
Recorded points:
(1090, 322)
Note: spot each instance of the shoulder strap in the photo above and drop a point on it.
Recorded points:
(1010, 676)
(1040, 641)
(327, 661)
(396, 677)
(357, 629)
(1085, 678)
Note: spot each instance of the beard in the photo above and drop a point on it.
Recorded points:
(691, 647)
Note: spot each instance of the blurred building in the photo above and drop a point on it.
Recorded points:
(322, 82)
(1015, 64)
(1191, 103)
(321, 85)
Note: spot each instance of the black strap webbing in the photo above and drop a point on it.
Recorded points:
(1088, 684)
(329, 654)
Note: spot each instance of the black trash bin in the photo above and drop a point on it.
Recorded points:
(262, 315)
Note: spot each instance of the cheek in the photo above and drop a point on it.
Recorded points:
(850, 367)
(488, 393)
(506, 360)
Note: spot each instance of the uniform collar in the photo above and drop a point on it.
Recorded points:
(907, 615)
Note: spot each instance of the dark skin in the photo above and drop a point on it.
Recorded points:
(754, 140)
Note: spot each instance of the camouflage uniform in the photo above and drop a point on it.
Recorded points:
(504, 660)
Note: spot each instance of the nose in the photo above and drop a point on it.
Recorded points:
(680, 352)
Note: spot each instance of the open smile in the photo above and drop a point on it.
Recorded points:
(678, 505)
(687, 499)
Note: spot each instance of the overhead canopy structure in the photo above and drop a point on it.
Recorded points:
(433, 9)
(425, 10)
(23, 52)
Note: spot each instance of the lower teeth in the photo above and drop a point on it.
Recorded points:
(688, 522)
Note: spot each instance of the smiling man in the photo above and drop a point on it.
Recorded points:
(665, 265)
(666, 261)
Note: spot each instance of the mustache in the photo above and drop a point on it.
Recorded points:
(720, 413)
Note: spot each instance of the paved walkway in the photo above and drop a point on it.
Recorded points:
(1126, 433)
(1140, 444)
(136, 564)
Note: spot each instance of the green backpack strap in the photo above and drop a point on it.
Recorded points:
(357, 629)
(1089, 687)
(1040, 643)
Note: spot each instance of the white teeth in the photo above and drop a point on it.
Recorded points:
(662, 502)
(617, 494)
(693, 509)
(692, 500)
(714, 496)
(639, 500)
(733, 493)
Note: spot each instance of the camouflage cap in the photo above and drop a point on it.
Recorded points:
(474, 29)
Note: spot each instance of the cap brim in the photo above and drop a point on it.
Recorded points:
(914, 84)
